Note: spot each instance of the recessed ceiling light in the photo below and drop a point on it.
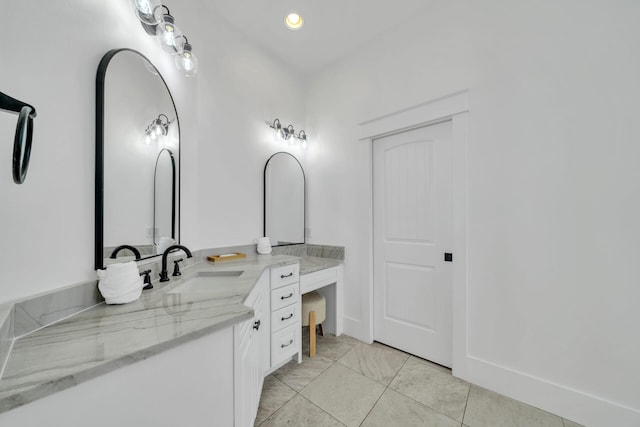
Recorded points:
(294, 21)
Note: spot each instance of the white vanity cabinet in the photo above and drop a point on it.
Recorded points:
(188, 385)
(286, 332)
(268, 340)
(251, 354)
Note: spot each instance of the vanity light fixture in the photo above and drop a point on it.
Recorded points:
(158, 127)
(169, 35)
(293, 21)
(148, 12)
(187, 60)
(156, 19)
(302, 137)
(288, 133)
(277, 127)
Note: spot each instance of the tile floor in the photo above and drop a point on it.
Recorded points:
(350, 383)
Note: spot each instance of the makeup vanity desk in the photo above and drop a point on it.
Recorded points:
(325, 275)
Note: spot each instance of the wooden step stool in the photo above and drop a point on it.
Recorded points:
(314, 311)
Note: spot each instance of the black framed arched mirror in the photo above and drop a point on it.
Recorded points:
(284, 200)
(137, 160)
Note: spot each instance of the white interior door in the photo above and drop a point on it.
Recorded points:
(412, 219)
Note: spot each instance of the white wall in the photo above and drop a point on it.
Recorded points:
(242, 87)
(50, 59)
(553, 188)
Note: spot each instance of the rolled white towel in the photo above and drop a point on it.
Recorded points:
(130, 296)
(120, 283)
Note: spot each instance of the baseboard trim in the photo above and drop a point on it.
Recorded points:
(356, 328)
(574, 405)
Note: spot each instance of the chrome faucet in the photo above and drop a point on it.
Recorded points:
(164, 274)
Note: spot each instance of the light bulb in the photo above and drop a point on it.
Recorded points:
(187, 61)
(148, 11)
(170, 36)
(294, 21)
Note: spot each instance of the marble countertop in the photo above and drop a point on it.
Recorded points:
(105, 337)
(311, 264)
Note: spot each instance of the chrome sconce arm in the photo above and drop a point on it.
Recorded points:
(23, 136)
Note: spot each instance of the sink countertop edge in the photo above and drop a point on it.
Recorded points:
(85, 327)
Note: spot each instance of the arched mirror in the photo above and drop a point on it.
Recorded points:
(137, 159)
(284, 199)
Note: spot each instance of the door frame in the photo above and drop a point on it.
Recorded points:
(454, 108)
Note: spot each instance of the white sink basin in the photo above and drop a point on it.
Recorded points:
(208, 281)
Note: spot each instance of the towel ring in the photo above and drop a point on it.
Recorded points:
(23, 137)
(22, 145)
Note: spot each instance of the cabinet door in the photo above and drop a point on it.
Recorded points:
(263, 337)
(243, 364)
(252, 355)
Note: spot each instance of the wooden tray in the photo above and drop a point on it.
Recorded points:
(226, 257)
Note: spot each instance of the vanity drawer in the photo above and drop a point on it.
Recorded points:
(284, 343)
(285, 317)
(284, 275)
(285, 296)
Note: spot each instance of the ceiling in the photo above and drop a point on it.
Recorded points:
(332, 28)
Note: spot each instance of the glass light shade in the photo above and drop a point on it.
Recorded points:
(302, 138)
(278, 132)
(288, 132)
(170, 36)
(294, 21)
(148, 11)
(187, 61)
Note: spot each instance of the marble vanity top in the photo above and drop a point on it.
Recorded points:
(105, 337)
(311, 264)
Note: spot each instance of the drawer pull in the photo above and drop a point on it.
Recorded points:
(284, 276)
(288, 296)
(287, 318)
(256, 325)
(286, 345)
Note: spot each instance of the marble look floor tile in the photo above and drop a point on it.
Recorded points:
(330, 346)
(274, 395)
(379, 363)
(344, 394)
(486, 408)
(568, 423)
(394, 409)
(433, 386)
(388, 347)
(300, 412)
(298, 376)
